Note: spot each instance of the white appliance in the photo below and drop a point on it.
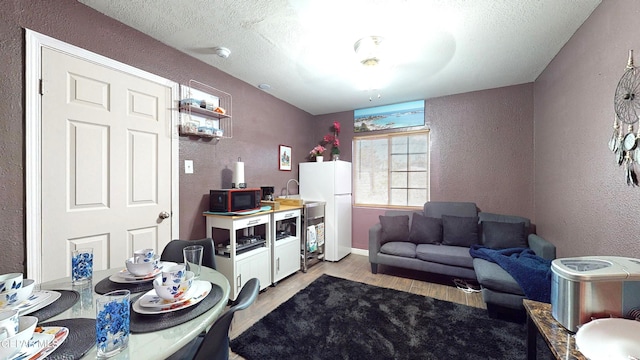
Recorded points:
(330, 181)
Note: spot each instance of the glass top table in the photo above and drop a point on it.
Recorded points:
(152, 345)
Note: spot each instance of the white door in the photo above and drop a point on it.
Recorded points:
(106, 163)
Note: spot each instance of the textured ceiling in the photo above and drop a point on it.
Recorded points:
(304, 48)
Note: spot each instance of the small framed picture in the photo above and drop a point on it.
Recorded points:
(284, 158)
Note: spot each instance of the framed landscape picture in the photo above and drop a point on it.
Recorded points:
(386, 117)
(284, 158)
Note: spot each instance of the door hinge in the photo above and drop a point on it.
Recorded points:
(41, 87)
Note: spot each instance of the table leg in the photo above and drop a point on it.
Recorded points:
(532, 334)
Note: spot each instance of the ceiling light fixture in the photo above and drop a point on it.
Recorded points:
(264, 87)
(223, 52)
(369, 50)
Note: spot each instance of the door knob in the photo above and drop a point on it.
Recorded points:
(164, 215)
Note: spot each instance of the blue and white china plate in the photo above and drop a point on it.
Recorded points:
(45, 340)
(199, 290)
(30, 306)
(37, 300)
(125, 277)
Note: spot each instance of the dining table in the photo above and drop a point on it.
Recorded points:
(158, 344)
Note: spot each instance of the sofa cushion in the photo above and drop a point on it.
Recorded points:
(394, 228)
(459, 231)
(441, 254)
(490, 275)
(395, 212)
(425, 230)
(485, 216)
(503, 235)
(399, 248)
(438, 208)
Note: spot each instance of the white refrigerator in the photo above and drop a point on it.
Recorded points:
(330, 181)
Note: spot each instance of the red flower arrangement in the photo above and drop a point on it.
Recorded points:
(333, 138)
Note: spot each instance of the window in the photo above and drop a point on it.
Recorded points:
(391, 169)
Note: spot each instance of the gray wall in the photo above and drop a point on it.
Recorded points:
(583, 203)
(481, 151)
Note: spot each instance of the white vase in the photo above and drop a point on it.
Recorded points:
(319, 158)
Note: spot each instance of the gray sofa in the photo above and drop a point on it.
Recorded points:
(437, 240)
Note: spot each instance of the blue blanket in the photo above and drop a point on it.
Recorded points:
(530, 271)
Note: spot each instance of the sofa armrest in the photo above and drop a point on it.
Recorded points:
(542, 247)
(375, 235)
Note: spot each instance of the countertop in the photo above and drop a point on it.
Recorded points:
(282, 208)
(561, 342)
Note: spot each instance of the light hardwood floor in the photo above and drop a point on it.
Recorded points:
(353, 267)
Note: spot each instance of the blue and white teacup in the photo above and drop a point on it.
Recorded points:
(143, 267)
(11, 281)
(9, 323)
(174, 274)
(143, 255)
(173, 292)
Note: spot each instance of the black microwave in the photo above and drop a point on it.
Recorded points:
(234, 200)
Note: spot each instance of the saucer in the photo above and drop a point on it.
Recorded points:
(152, 300)
(37, 298)
(200, 289)
(125, 277)
(30, 306)
(44, 341)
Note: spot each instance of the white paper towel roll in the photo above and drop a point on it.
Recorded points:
(238, 175)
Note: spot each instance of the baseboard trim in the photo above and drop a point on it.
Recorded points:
(360, 252)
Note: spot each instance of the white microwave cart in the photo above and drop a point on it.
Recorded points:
(243, 247)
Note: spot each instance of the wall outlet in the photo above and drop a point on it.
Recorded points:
(188, 166)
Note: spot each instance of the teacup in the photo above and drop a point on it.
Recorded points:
(174, 274)
(10, 281)
(9, 323)
(143, 255)
(13, 297)
(142, 268)
(16, 296)
(173, 292)
(12, 345)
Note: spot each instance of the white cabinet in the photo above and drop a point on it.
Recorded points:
(243, 248)
(287, 259)
(286, 243)
(253, 265)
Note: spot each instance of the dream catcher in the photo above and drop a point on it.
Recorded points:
(624, 141)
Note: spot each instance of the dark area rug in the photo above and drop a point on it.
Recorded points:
(335, 318)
